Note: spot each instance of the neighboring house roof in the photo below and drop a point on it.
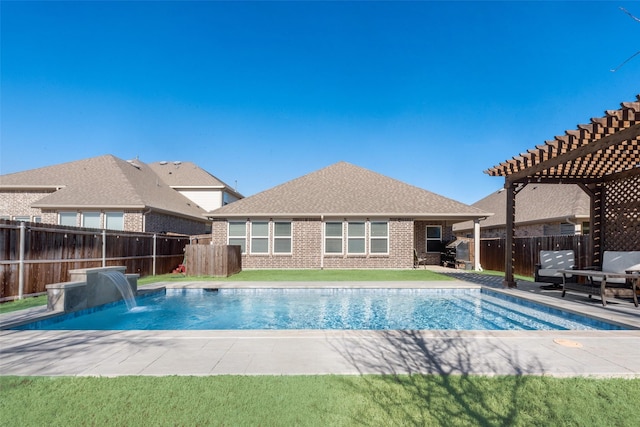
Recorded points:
(345, 189)
(104, 182)
(187, 175)
(535, 203)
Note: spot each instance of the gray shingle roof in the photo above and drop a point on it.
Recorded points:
(534, 203)
(103, 182)
(186, 175)
(345, 189)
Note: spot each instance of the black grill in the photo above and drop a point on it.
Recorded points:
(455, 254)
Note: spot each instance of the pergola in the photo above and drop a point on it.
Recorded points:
(603, 158)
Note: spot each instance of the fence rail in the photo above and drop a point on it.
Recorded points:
(33, 255)
(527, 252)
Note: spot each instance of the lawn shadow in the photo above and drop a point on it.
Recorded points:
(440, 372)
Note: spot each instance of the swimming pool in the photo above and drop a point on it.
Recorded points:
(344, 309)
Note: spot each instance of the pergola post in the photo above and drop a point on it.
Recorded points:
(597, 218)
(509, 250)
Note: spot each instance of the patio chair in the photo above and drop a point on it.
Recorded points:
(417, 260)
(550, 262)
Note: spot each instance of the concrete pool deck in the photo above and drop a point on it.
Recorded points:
(155, 353)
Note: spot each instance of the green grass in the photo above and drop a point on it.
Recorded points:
(369, 400)
(308, 276)
(7, 307)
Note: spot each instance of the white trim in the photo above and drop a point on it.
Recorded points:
(229, 236)
(290, 237)
(341, 237)
(261, 237)
(371, 237)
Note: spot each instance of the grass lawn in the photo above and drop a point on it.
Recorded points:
(327, 400)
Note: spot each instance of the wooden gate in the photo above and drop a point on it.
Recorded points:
(213, 260)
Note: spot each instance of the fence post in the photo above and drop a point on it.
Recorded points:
(155, 240)
(21, 261)
(104, 247)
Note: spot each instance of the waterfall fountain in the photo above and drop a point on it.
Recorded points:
(122, 284)
(90, 287)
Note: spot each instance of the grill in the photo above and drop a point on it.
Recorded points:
(456, 255)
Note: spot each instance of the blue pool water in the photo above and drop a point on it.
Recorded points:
(356, 309)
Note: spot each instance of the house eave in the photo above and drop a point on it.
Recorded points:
(415, 216)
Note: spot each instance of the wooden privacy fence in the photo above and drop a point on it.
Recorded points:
(213, 260)
(33, 255)
(527, 252)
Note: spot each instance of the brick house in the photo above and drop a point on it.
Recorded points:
(108, 192)
(543, 210)
(342, 216)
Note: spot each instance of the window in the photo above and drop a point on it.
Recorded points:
(434, 238)
(67, 218)
(355, 238)
(91, 219)
(260, 237)
(333, 237)
(37, 219)
(25, 218)
(238, 235)
(567, 229)
(114, 221)
(586, 228)
(379, 240)
(282, 238)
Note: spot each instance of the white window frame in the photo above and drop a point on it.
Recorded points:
(373, 238)
(67, 215)
(254, 237)
(433, 239)
(111, 217)
(91, 215)
(362, 237)
(277, 238)
(22, 218)
(326, 238)
(243, 247)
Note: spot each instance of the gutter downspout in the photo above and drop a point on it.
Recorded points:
(322, 242)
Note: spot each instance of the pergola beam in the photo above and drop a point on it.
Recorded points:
(592, 147)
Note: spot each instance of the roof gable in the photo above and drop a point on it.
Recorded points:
(346, 189)
(187, 175)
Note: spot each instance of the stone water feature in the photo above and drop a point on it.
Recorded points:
(90, 287)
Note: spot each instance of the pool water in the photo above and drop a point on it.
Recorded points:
(354, 309)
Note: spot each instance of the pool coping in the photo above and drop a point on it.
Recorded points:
(313, 352)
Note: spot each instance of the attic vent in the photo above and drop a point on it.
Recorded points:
(164, 162)
(133, 163)
(177, 162)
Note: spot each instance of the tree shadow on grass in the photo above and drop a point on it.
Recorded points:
(438, 378)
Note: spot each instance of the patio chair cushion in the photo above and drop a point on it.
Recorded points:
(551, 262)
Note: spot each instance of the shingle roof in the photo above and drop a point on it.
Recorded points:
(103, 182)
(534, 203)
(345, 189)
(188, 175)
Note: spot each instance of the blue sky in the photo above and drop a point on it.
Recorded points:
(259, 93)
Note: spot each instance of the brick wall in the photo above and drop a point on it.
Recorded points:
(307, 248)
(18, 203)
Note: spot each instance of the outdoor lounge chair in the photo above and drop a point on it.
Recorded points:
(419, 260)
(620, 269)
(551, 262)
